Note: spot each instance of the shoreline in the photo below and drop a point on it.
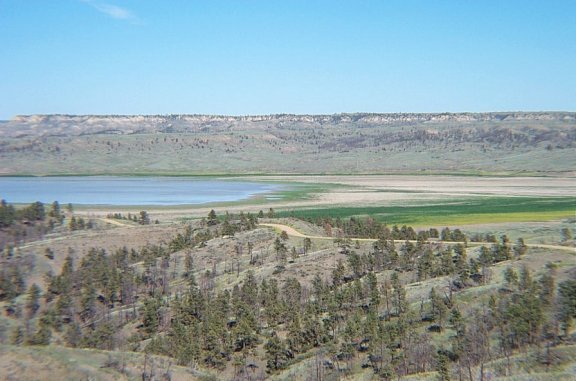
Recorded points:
(426, 173)
(373, 193)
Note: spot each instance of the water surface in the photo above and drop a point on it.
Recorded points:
(104, 190)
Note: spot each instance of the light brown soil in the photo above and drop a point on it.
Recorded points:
(379, 190)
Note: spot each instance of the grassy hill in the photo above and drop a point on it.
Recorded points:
(61, 363)
(534, 143)
(212, 300)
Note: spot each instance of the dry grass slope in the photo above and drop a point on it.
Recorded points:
(540, 143)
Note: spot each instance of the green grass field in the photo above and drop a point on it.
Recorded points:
(459, 211)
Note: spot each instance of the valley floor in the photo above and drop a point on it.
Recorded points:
(456, 200)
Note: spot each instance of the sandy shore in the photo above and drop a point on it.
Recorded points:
(449, 185)
(378, 190)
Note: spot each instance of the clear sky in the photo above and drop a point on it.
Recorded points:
(244, 57)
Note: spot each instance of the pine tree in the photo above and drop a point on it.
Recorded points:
(151, 315)
(307, 245)
(18, 336)
(55, 212)
(73, 224)
(520, 248)
(33, 302)
(442, 365)
(566, 235)
(73, 335)
(271, 213)
(511, 277)
(88, 302)
(567, 304)
(438, 307)
(250, 290)
(43, 335)
(462, 268)
(281, 251)
(294, 338)
(399, 295)
(446, 262)
(276, 354)
(338, 273)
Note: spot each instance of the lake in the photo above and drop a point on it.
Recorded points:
(105, 190)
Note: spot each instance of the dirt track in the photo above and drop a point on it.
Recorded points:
(295, 233)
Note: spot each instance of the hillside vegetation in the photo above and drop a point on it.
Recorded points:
(344, 143)
(251, 296)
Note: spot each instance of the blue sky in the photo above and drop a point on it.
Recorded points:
(285, 56)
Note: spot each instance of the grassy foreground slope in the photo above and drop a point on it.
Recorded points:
(61, 363)
(528, 143)
(231, 298)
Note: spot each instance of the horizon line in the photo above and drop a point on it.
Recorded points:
(298, 114)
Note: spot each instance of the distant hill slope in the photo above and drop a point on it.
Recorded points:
(515, 142)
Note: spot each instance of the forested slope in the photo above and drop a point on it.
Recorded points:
(229, 297)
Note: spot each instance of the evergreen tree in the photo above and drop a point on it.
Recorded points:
(277, 355)
(293, 254)
(88, 302)
(399, 295)
(295, 340)
(566, 235)
(151, 315)
(307, 245)
(55, 212)
(511, 277)
(462, 267)
(438, 307)
(485, 260)
(212, 218)
(281, 251)
(446, 234)
(567, 304)
(446, 262)
(73, 224)
(43, 335)
(546, 285)
(442, 365)
(338, 273)
(373, 292)
(7, 214)
(144, 218)
(520, 248)
(33, 302)
(188, 266)
(73, 335)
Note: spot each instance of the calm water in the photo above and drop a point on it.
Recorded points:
(127, 190)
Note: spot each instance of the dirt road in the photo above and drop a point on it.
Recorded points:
(295, 233)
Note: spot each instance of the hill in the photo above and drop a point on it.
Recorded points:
(515, 142)
(234, 297)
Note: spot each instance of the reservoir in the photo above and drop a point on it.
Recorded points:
(111, 190)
